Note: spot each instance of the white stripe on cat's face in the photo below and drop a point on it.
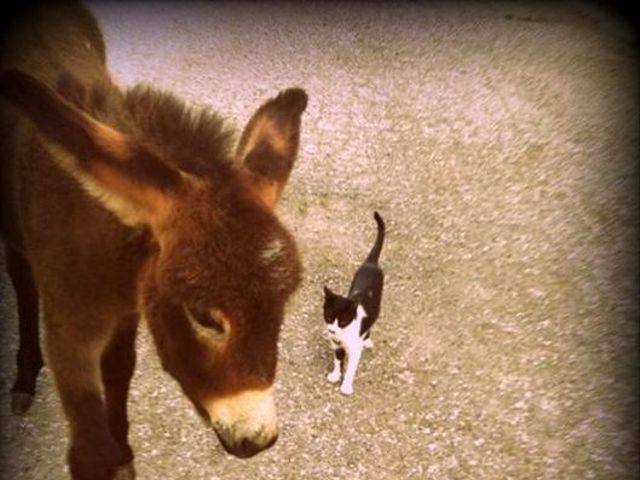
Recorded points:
(349, 335)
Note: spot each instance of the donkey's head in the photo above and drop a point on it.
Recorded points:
(214, 289)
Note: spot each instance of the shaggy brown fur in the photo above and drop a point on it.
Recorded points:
(120, 205)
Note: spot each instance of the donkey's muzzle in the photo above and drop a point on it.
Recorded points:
(246, 422)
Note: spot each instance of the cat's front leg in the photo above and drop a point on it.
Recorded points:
(338, 357)
(353, 359)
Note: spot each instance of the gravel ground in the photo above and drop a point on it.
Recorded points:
(500, 143)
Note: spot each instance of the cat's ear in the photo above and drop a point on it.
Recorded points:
(328, 293)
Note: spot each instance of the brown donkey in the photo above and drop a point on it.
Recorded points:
(119, 205)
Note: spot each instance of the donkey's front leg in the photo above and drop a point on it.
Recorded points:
(118, 363)
(29, 356)
(74, 359)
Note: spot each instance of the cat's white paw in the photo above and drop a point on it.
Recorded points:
(368, 343)
(334, 376)
(346, 389)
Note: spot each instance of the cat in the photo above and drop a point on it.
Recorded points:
(349, 319)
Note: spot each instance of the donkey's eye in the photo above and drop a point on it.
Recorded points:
(205, 318)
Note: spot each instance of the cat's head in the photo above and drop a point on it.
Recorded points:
(337, 307)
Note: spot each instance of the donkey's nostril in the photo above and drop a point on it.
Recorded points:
(246, 447)
(249, 448)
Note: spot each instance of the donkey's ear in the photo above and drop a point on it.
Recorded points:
(269, 143)
(128, 179)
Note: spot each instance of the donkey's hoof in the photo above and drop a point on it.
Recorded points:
(125, 472)
(21, 402)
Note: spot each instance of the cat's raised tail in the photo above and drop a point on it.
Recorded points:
(374, 254)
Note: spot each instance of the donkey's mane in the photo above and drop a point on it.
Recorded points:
(193, 139)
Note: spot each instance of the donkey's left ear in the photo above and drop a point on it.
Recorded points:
(129, 180)
(269, 143)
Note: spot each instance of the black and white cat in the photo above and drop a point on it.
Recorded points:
(349, 319)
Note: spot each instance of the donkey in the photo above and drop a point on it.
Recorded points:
(125, 204)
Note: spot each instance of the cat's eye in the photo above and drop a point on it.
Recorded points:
(344, 320)
(208, 319)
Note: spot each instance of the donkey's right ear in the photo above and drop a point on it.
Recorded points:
(269, 143)
(128, 179)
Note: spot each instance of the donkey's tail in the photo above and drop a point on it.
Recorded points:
(374, 254)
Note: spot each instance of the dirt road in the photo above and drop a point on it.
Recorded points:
(500, 143)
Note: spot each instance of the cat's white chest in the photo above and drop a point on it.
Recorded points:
(348, 338)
